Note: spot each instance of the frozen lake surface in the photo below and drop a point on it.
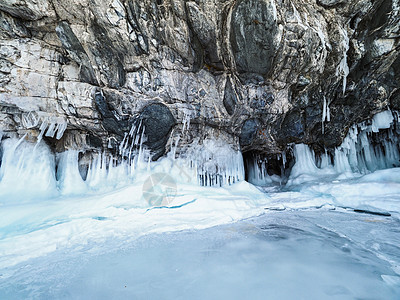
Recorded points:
(310, 254)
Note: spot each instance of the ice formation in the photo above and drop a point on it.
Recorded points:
(52, 127)
(366, 148)
(105, 210)
(343, 68)
(326, 115)
(369, 146)
(216, 163)
(257, 170)
(30, 168)
(27, 170)
(212, 162)
(68, 176)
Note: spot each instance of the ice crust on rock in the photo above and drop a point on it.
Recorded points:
(369, 146)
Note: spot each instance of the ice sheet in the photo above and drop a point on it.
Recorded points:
(280, 255)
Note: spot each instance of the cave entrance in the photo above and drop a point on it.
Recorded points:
(267, 169)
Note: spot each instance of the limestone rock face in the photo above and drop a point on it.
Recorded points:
(255, 72)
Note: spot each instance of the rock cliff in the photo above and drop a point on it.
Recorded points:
(260, 74)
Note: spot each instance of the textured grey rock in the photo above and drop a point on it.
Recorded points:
(158, 122)
(330, 3)
(231, 97)
(248, 132)
(75, 50)
(255, 71)
(255, 35)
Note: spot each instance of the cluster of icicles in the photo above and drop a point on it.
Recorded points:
(30, 170)
(212, 162)
(368, 146)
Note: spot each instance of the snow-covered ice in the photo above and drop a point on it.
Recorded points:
(317, 254)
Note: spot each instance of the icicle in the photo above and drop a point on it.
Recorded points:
(323, 115)
(364, 156)
(42, 129)
(30, 120)
(61, 127)
(51, 130)
(175, 146)
(325, 160)
(137, 134)
(186, 122)
(215, 162)
(122, 146)
(341, 162)
(326, 116)
(69, 178)
(305, 160)
(148, 164)
(133, 129)
(257, 171)
(284, 158)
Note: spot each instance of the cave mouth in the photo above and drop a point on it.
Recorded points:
(264, 169)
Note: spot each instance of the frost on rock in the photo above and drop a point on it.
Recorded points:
(343, 68)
